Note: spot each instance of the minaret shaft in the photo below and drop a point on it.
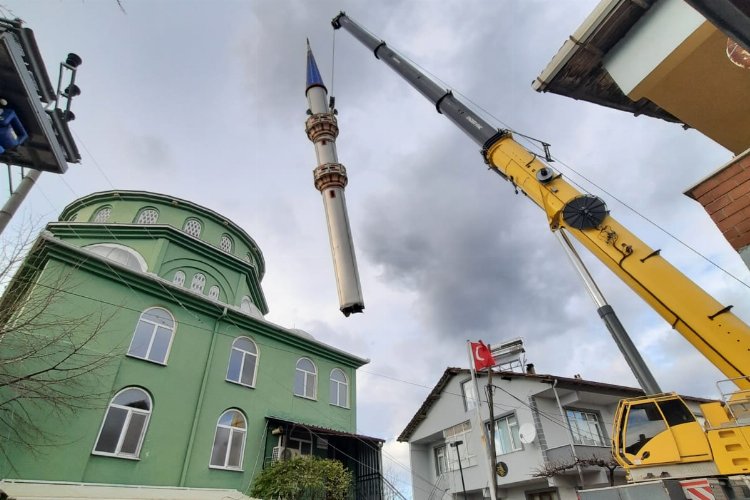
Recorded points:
(330, 179)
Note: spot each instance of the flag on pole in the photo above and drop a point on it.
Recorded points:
(482, 355)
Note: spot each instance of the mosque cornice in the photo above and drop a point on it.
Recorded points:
(49, 246)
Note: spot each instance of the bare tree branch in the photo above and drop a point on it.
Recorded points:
(50, 357)
(551, 469)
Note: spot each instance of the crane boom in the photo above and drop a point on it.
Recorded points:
(708, 325)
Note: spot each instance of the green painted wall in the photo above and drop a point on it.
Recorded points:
(191, 391)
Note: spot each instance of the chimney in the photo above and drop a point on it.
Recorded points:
(530, 369)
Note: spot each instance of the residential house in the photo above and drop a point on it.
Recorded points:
(542, 424)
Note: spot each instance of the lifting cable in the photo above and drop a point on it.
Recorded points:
(333, 61)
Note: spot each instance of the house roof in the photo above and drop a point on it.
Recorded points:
(325, 431)
(562, 383)
(576, 70)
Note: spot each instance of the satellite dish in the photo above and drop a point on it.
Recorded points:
(527, 433)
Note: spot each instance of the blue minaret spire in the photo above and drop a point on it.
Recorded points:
(330, 179)
(313, 75)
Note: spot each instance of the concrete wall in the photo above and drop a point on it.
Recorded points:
(512, 398)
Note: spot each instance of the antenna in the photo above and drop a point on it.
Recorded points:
(527, 433)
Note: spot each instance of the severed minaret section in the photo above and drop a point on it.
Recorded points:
(330, 179)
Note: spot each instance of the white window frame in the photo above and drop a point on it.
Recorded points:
(198, 222)
(510, 421)
(198, 289)
(336, 385)
(96, 218)
(125, 426)
(245, 353)
(459, 432)
(232, 430)
(96, 247)
(438, 453)
(226, 243)
(214, 293)
(581, 435)
(179, 278)
(153, 336)
(469, 395)
(296, 443)
(147, 210)
(306, 380)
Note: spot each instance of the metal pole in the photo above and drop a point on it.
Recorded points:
(16, 197)
(478, 417)
(455, 444)
(632, 357)
(493, 451)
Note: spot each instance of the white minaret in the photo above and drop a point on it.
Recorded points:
(330, 179)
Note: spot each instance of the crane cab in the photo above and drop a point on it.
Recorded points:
(658, 436)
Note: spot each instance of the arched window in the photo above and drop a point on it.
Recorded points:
(179, 278)
(248, 258)
(193, 227)
(229, 441)
(153, 335)
(148, 216)
(306, 379)
(198, 282)
(121, 254)
(102, 215)
(124, 425)
(226, 243)
(214, 292)
(243, 362)
(339, 388)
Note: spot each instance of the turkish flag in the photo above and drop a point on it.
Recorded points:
(482, 355)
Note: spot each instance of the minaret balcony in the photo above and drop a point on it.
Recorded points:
(322, 126)
(330, 175)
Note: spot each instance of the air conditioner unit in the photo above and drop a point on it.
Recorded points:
(284, 453)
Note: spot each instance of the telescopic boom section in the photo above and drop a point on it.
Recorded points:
(445, 103)
(708, 325)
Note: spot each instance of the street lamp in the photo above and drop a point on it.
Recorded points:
(455, 445)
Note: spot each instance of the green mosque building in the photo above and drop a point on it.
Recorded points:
(196, 389)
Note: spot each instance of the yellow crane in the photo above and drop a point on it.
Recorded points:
(656, 435)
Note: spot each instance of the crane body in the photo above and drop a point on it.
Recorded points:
(682, 447)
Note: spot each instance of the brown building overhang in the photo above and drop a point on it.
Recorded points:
(576, 70)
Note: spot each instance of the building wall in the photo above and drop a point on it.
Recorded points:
(725, 195)
(190, 391)
(513, 398)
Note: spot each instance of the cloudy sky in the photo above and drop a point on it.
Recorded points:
(205, 101)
